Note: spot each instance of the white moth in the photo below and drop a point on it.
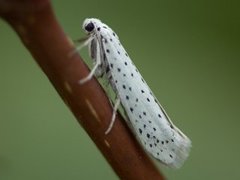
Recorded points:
(147, 118)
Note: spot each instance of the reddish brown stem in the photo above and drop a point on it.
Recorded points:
(34, 22)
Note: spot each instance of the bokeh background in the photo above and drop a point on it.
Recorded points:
(187, 51)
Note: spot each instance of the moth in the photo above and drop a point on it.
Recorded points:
(148, 120)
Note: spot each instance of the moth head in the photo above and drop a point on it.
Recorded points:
(89, 24)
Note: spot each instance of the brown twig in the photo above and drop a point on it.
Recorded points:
(34, 22)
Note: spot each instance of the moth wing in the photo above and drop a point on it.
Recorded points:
(148, 119)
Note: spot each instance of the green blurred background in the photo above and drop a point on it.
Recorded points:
(187, 51)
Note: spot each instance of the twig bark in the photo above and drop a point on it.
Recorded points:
(35, 23)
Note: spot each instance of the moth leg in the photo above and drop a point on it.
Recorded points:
(97, 64)
(85, 43)
(116, 105)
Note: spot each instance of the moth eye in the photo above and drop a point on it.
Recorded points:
(89, 27)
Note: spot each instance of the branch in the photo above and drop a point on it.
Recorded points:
(35, 23)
